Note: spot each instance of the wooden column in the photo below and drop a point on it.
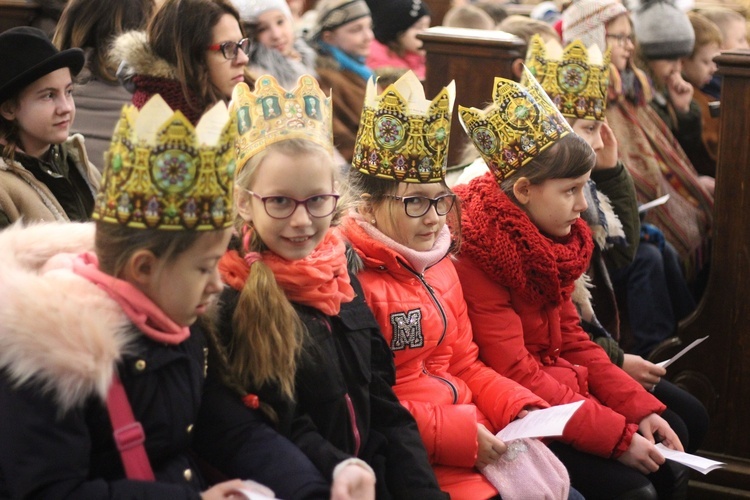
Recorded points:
(473, 58)
(718, 371)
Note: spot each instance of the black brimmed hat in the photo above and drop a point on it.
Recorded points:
(26, 55)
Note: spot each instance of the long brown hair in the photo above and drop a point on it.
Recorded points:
(93, 24)
(179, 33)
(268, 333)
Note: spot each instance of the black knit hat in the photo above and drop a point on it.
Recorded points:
(26, 55)
(662, 30)
(391, 17)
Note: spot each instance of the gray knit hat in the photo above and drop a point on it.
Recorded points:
(662, 30)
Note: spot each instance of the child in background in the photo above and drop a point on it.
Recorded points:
(398, 230)
(468, 16)
(300, 339)
(275, 48)
(733, 28)
(523, 247)
(44, 173)
(396, 24)
(698, 70)
(95, 333)
(192, 53)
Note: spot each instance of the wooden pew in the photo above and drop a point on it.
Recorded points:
(473, 58)
(718, 371)
(17, 13)
(437, 8)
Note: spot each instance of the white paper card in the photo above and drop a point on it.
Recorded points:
(653, 203)
(702, 465)
(549, 422)
(252, 495)
(677, 356)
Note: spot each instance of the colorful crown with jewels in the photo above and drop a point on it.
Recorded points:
(163, 173)
(403, 136)
(520, 123)
(271, 114)
(575, 78)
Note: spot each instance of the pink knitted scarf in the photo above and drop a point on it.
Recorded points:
(500, 238)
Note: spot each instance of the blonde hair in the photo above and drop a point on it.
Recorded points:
(706, 32)
(721, 16)
(468, 16)
(524, 28)
(268, 333)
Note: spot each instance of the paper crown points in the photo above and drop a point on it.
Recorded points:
(402, 135)
(163, 173)
(521, 123)
(271, 114)
(575, 78)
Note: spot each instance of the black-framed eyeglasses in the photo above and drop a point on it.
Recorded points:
(282, 207)
(622, 40)
(417, 206)
(230, 49)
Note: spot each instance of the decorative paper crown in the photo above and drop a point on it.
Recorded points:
(520, 124)
(403, 136)
(161, 172)
(272, 114)
(576, 79)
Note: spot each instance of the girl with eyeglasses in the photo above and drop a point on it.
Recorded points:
(297, 333)
(398, 230)
(192, 53)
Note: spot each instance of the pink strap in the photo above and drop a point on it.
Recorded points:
(128, 434)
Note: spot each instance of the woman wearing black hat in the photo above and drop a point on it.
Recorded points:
(44, 174)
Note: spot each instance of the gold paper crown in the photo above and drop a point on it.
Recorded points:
(403, 136)
(272, 114)
(576, 79)
(521, 123)
(161, 172)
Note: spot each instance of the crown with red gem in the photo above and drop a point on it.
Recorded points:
(163, 173)
(403, 136)
(520, 123)
(575, 78)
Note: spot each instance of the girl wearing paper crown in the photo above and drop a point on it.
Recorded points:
(301, 342)
(523, 247)
(398, 230)
(104, 392)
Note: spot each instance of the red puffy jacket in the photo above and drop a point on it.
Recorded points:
(439, 377)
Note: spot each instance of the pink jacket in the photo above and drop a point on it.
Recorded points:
(381, 56)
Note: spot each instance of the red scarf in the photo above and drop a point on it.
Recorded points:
(142, 311)
(501, 239)
(320, 280)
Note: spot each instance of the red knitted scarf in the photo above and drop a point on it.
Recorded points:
(500, 238)
(171, 92)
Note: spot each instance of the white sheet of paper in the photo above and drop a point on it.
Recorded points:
(653, 203)
(702, 465)
(252, 495)
(677, 356)
(548, 422)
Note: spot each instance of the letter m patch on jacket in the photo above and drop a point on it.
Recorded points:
(407, 330)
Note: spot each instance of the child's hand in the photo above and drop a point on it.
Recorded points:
(644, 372)
(607, 156)
(654, 426)
(490, 447)
(680, 92)
(233, 489)
(353, 482)
(642, 455)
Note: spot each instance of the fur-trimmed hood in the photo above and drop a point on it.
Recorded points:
(132, 53)
(57, 329)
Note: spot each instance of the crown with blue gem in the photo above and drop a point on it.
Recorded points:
(271, 114)
(520, 123)
(164, 173)
(403, 136)
(575, 78)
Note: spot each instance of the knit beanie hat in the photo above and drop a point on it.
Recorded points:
(391, 17)
(249, 10)
(335, 13)
(662, 30)
(586, 20)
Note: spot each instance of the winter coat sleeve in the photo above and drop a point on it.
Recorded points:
(618, 185)
(499, 332)
(45, 453)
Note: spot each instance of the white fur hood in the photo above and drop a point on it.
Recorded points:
(132, 53)
(57, 329)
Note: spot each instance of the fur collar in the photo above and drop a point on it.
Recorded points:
(132, 53)
(57, 329)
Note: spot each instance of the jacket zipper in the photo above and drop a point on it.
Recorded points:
(447, 382)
